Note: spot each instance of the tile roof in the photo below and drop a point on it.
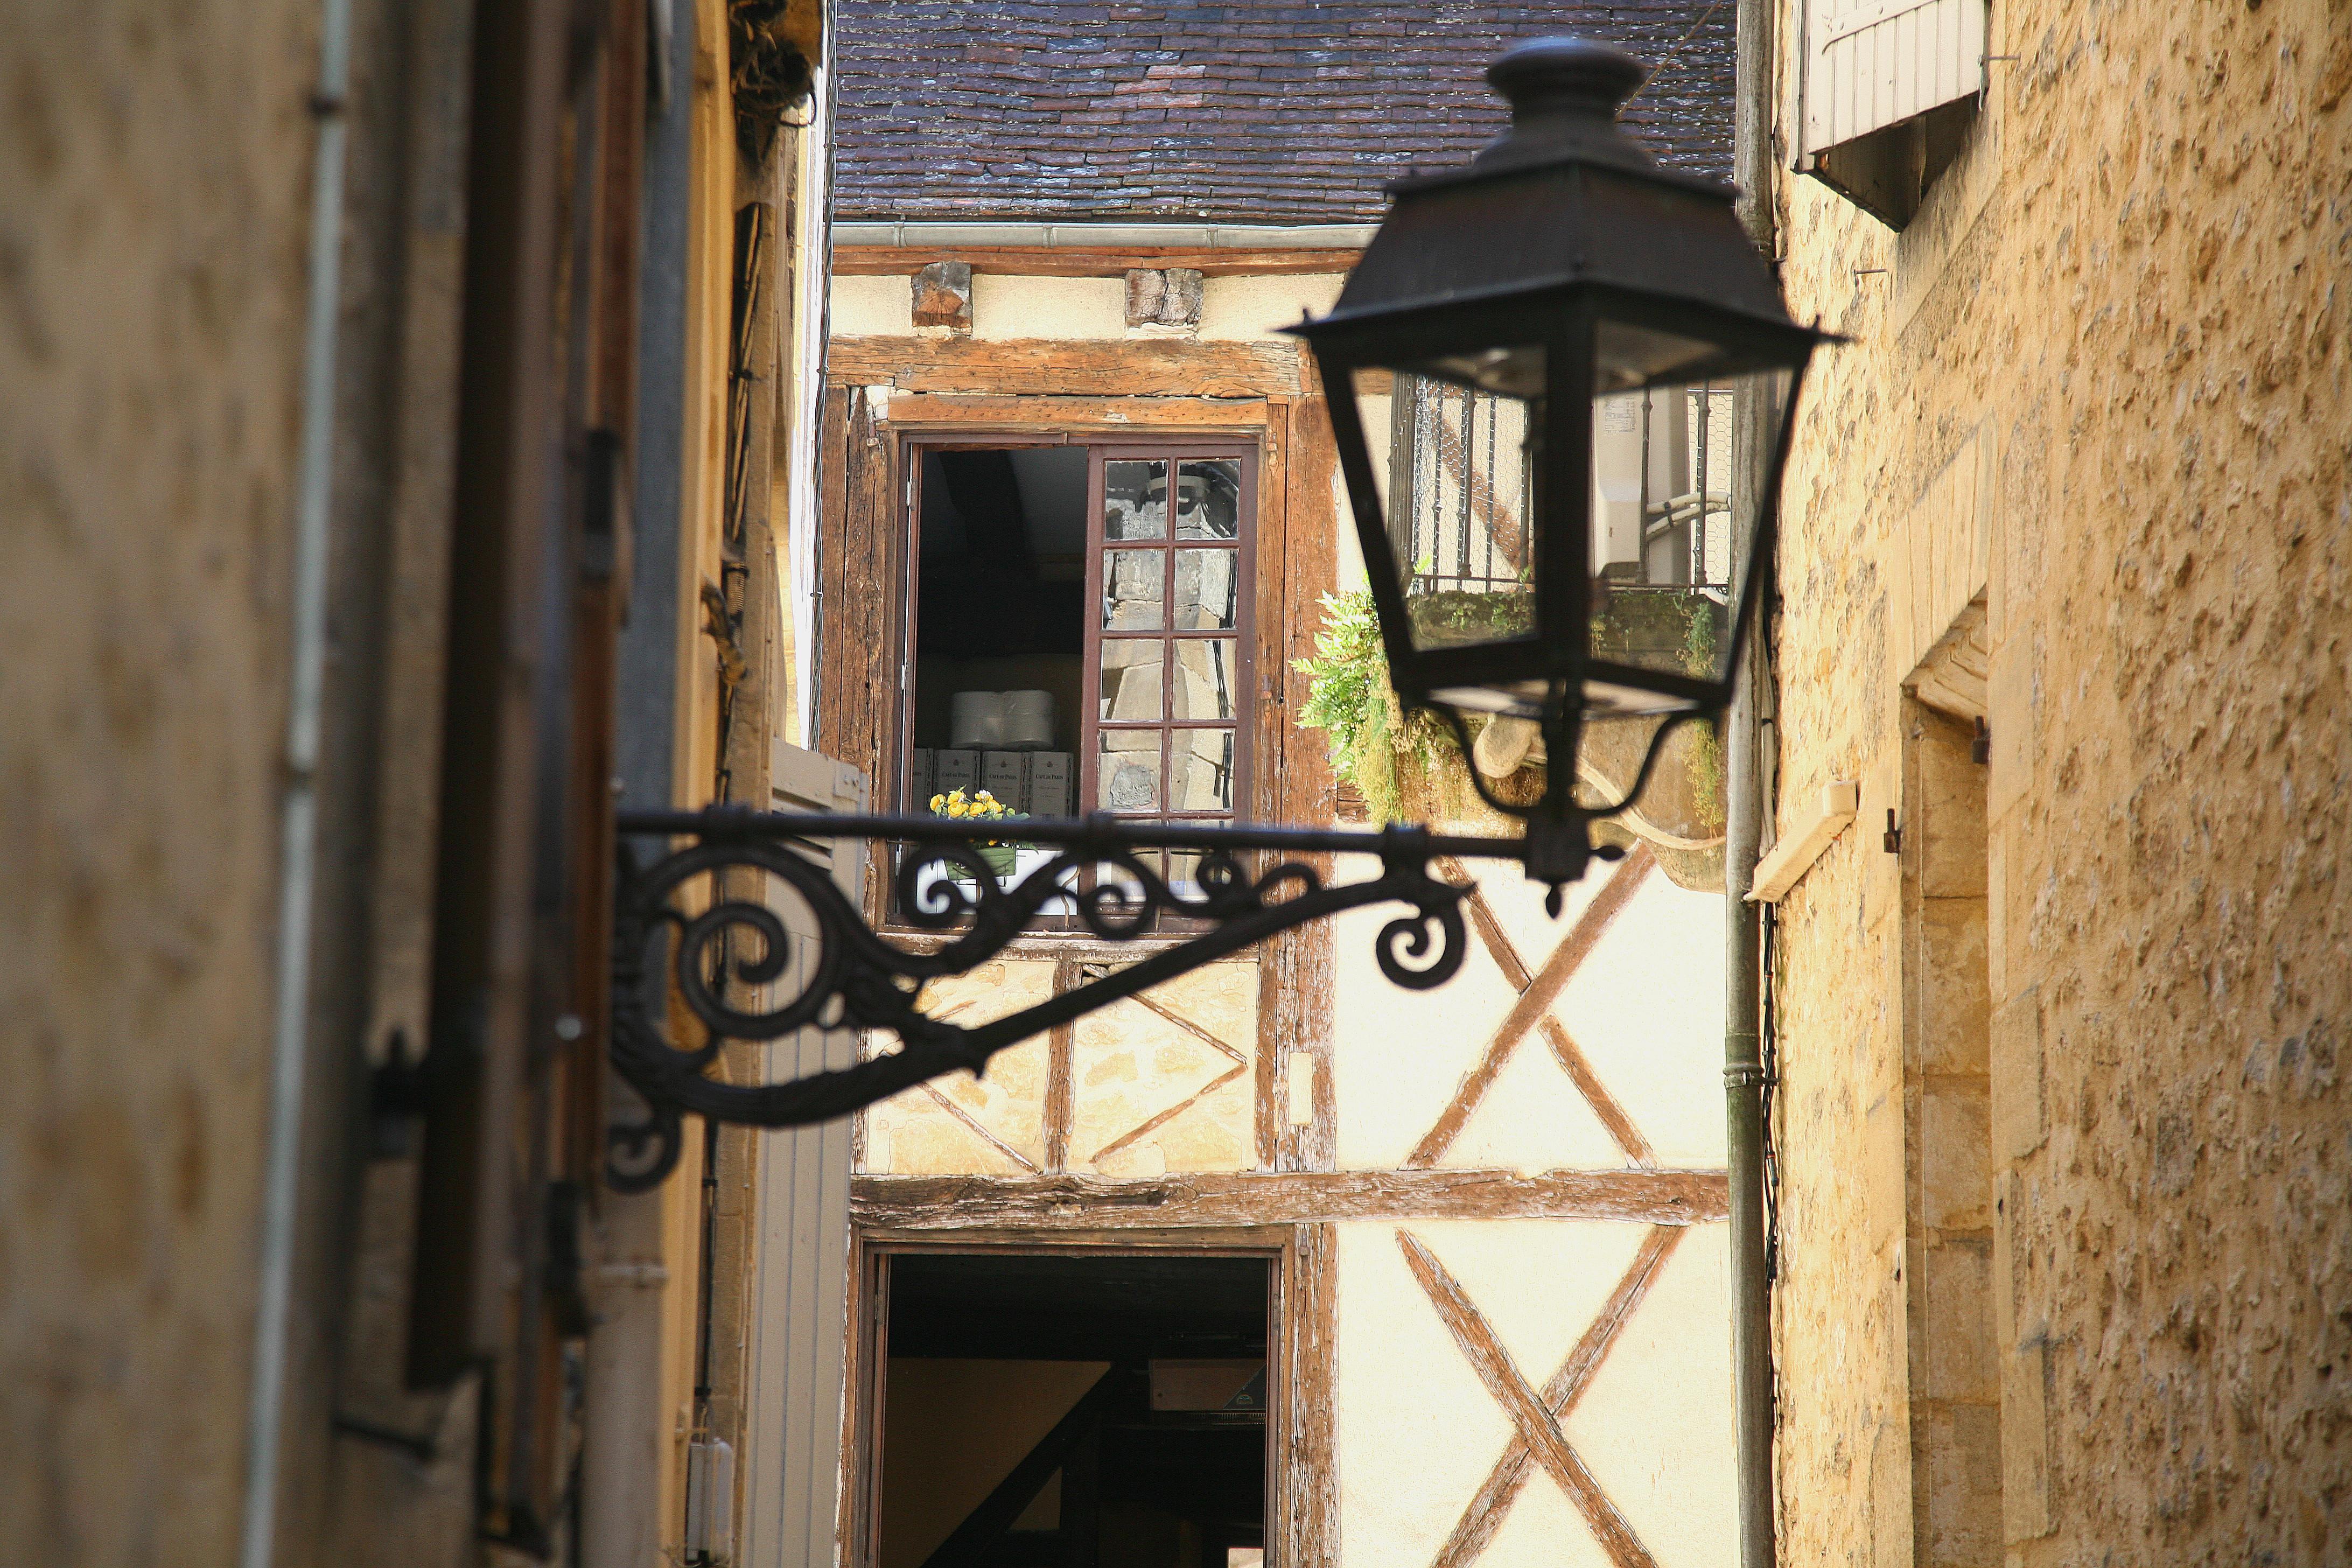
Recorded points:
(1251, 112)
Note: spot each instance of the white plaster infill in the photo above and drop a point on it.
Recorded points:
(1109, 235)
(1779, 867)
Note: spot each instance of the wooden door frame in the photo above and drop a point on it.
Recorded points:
(1300, 1484)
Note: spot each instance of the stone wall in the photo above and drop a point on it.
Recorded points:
(154, 171)
(2099, 384)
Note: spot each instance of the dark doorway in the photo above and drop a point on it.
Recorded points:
(1074, 1410)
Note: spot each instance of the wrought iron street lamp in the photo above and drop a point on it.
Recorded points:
(1569, 355)
(1580, 373)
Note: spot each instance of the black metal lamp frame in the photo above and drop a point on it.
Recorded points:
(1577, 230)
(1558, 657)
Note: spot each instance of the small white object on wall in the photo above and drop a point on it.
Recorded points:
(1299, 1075)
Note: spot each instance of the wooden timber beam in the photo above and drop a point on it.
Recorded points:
(1072, 261)
(1116, 367)
(1067, 415)
(1539, 1430)
(1303, 1197)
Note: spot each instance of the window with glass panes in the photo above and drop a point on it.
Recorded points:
(1167, 677)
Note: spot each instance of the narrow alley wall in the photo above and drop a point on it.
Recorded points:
(155, 175)
(2097, 392)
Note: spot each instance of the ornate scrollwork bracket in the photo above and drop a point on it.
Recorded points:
(741, 933)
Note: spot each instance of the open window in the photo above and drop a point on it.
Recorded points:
(1069, 1409)
(1080, 635)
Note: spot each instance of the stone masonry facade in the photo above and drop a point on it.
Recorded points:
(154, 175)
(2095, 395)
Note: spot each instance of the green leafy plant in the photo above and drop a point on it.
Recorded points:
(1703, 757)
(1453, 616)
(1409, 767)
(1348, 698)
(1386, 753)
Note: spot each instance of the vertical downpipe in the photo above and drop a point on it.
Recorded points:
(1743, 1068)
(298, 807)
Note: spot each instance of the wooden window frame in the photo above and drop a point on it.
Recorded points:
(1296, 1350)
(1102, 446)
(1175, 452)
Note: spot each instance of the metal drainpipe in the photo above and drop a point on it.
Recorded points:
(1743, 1087)
(298, 807)
(814, 401)
(1743, 1070)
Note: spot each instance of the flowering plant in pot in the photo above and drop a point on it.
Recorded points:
(986, 807)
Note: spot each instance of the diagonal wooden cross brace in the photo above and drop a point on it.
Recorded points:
(1153, 1124)
(1484, 1513)
(1533, 1009)
(1539, 1433)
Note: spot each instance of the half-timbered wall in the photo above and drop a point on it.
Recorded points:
(1505, 1330)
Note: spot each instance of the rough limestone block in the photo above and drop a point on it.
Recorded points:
(943, 296)
(1164, 298)
(2019, 1122)
(2025, 1445)
(1960, 1461)
(1960, 1360)
(1953, 1026)
(1954, 1172)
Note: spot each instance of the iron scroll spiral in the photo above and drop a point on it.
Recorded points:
(755, 941)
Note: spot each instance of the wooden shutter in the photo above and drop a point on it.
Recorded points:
(1869, 64)
(791, 1459)
(501, 632)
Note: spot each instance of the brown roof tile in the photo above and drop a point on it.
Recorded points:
(1243, 112)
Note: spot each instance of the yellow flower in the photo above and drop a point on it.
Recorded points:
(938, 801)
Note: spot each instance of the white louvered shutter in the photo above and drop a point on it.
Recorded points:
(791, 1459)
(1869, 64)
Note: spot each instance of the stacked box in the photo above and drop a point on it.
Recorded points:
(1035, 783)
(954, 770)
(1052, 785)
(1001, 775)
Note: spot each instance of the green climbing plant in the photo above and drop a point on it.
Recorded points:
(1348, 698)
(1703, 758)
(1375, 745)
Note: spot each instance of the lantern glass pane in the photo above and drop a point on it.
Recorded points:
(1682, 432)
(1456, 444)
